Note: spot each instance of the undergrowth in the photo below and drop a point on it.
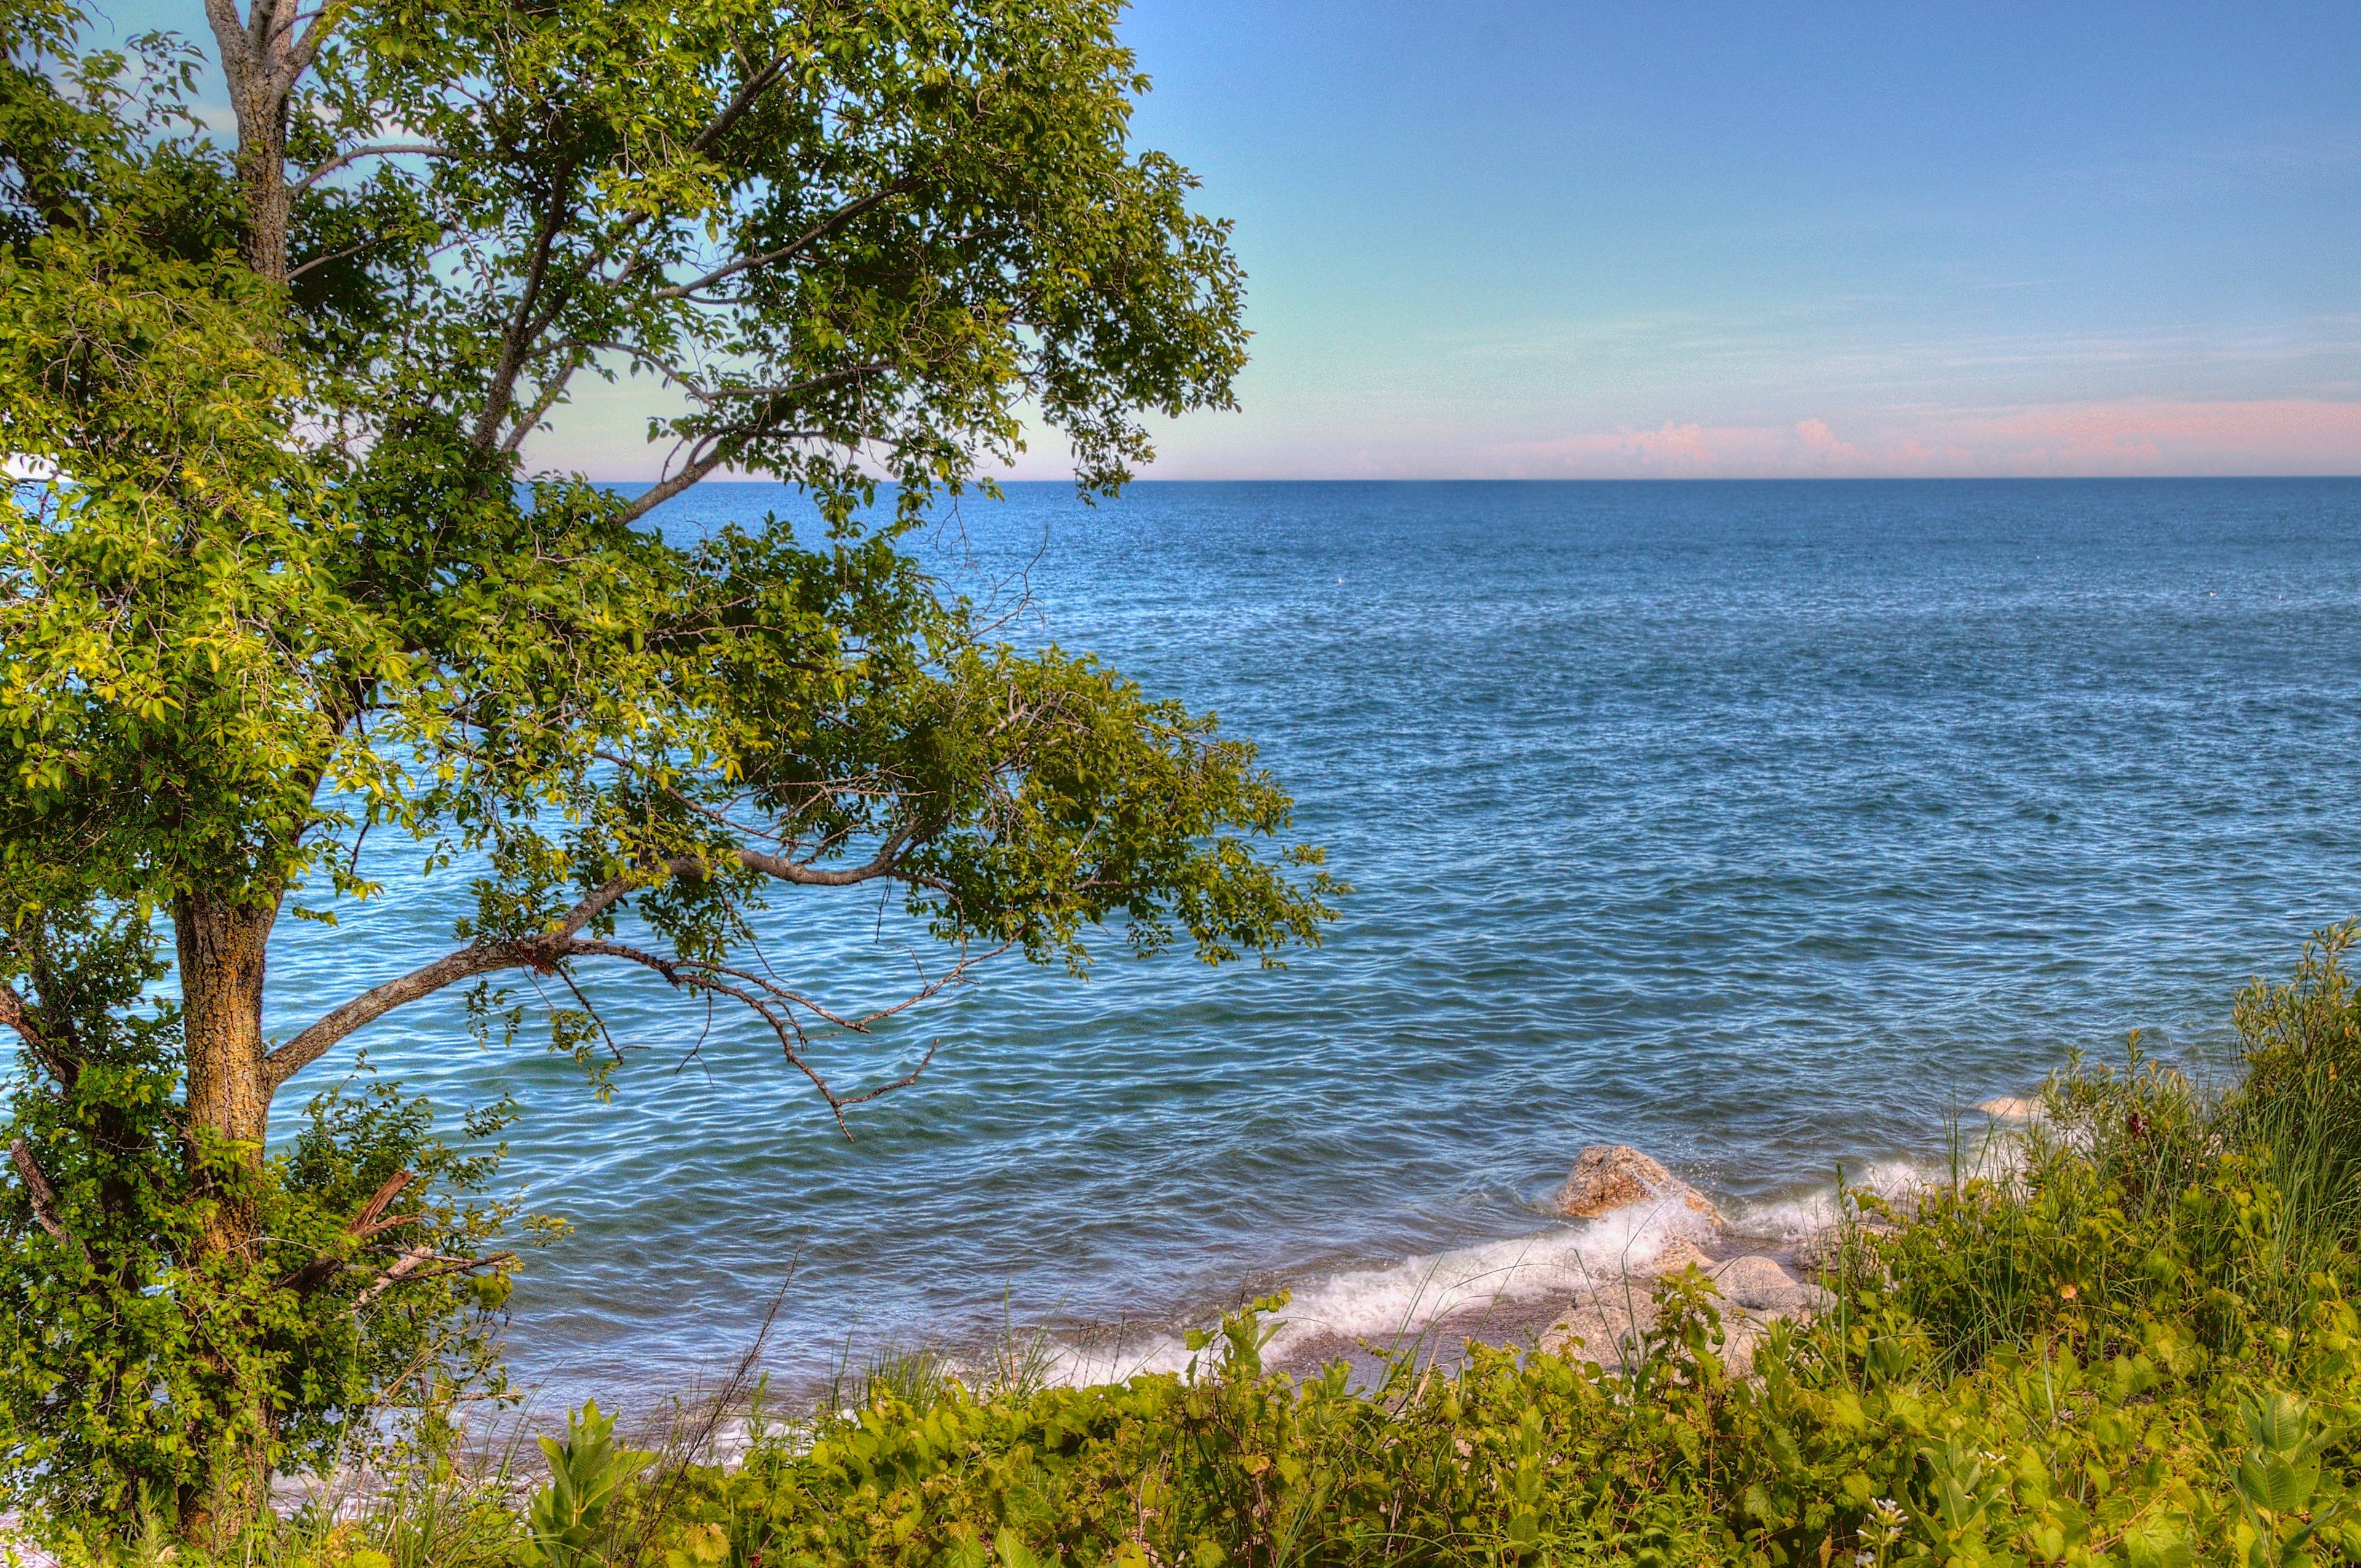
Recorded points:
(2128, 1337)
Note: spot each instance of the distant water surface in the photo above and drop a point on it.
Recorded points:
(1756, 825)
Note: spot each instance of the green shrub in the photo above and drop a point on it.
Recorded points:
(128, 1349)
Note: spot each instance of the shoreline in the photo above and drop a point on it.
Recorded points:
(1504, 1291)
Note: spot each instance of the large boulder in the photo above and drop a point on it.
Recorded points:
(1607, 1176)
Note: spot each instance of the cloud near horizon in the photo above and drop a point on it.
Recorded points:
(2126, 438)
(2116, 439)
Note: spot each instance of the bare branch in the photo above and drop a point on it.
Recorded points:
(369, 1222)
(882, 863)
(544, 950)
(296, 272)
(14, 1013)
(62, 1067)
(345, 159)
(400, 1265)
(812, 236)
(407, 1267)
(44, 1196)
(366, 1222)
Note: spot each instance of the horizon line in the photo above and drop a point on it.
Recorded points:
(1622, 479)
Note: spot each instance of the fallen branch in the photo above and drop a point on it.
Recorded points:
(399, 1267)
(408, 1264)
(364, 1224)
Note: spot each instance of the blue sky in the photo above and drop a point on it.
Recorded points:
(1528, 239)
(1532, 239)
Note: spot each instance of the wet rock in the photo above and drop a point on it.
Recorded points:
(1821, 1251)
(1609, 1316)
(2009, 1108)
(1607, 1176)
(1606, 1326)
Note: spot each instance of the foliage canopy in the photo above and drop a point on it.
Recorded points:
(280, 593)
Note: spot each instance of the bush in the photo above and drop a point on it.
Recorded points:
(126, 1347)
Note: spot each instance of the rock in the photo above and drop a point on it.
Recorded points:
(1675, 1257)
(1758, 1285)
(2008, 1107)
(1607, 1176)
(1606, 1326)
(1820, 1252)
(1613, 1310)
(1602, 1327)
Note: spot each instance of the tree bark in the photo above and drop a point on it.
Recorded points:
(262, 173)
(221, 951)
(222, 939)
(221, 942)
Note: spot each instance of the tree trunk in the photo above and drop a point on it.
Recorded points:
(222, 939)
(220, 950)
(220, 943)
(262, 175)
(254, 51)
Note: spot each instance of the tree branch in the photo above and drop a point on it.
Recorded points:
(343, 159)
(295, 272)
(547, 950)
(18, 1016)
(788, 389)
(705, 457)
(406, 1264)
(755, 86)
(400, 1265)
(476, 959)
(230, 41)
(14, 1015)
(364, 1224)
(811, 235)
(44, 1196)
(523, 326)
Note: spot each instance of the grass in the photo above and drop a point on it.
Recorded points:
(2129, 1338)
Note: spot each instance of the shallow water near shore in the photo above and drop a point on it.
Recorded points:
(1758, 825)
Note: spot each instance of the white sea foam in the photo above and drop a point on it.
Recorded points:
(1798, 1215)
(1395, 1303)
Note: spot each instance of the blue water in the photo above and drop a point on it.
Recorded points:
(1756, 825)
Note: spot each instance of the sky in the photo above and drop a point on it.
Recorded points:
(1551, 240)
(1554, 240)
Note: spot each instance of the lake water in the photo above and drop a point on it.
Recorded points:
(1755, 825)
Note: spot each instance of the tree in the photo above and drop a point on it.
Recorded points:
(280, 590)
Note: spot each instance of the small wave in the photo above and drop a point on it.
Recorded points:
(1793, 1218)
(1395, 1303)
